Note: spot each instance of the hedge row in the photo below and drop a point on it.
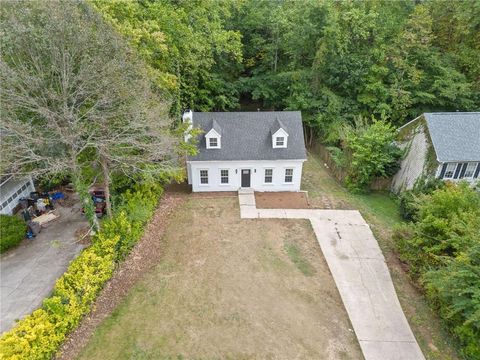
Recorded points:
(442, 248)
(39, 335)
(12, 231)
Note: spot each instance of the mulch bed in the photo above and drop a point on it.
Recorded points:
(214, 194)
(144, 256)
(281, 200)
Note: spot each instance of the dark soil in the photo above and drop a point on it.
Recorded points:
(281, 200)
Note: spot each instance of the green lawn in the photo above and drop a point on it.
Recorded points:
(380, 210)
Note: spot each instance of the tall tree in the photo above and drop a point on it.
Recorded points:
(186, 45)
(74, 94)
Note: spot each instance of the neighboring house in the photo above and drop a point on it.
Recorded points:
(12, 190)
(264, 151)
(441, 145)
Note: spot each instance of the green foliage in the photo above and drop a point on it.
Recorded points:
(442, 248)
(12, 231)
(338, 156)
(51, 181)
(338, 60)
(371, 153)
(408, 199)
(332, 60)
(39, 335)
(86, 199)
(186, 45)
(455, 290)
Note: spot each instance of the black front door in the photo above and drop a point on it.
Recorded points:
(245, 178)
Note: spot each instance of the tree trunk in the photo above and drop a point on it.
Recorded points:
(106, 185)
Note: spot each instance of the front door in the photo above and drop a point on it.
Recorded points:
(246, 178)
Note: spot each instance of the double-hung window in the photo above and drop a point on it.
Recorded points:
(224, 176)
(213, 142)
(204, 177)
(288, 175)
(450, 170)
(268, 176)
(280, 141)
(470, 170)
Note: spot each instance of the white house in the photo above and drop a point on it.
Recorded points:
(441, 145)
(264, 151)
(12, 190)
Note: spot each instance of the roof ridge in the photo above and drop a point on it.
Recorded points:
(455, 113)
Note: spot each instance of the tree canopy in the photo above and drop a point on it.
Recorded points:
(76, 99)
(332, 60)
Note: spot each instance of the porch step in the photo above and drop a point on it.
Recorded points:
(245, 191)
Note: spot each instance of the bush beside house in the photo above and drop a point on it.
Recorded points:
(365, 151)
(12, 231)
(39, 335)
(442, 249)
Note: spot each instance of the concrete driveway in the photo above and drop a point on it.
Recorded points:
(28, 272)
(361, 275)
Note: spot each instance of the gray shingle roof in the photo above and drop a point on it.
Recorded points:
(455, 136)
(216, 127)
(277, 125)
(246, 135)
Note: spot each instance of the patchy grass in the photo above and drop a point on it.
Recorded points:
(228, 288)
(380, 210)
(294, 253)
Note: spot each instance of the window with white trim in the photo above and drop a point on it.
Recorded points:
(279, 141)
(470, 170)
(224, 176)
(213, 142)
(204, 177)
(268, 176)
(288, 175)
(450, 170)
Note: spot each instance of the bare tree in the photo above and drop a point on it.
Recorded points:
(73, 95)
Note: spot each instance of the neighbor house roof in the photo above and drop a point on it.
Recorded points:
(247, 135)
(455, 136)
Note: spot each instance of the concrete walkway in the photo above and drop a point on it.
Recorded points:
(29, 271)
(361, 275)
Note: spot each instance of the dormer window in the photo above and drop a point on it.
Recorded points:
(279, 134)
(280, 139)
(213, 138)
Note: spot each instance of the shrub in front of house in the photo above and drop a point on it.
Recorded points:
(40, 334)
(12, 231)
(408, 200)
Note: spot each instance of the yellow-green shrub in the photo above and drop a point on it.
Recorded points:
(40, 334)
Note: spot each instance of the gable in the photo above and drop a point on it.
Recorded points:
(280, 132)
(212, 133)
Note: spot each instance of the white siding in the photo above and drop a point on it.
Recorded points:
(413, 165)
(257, 174)
(12, 191)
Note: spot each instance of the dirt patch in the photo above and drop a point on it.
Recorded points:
(143, 257)
(178, 188)
(227, 288)
(83, 236)
(214, 194)
(281, 200)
